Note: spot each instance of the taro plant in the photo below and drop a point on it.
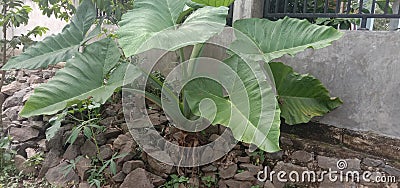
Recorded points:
(95, 69)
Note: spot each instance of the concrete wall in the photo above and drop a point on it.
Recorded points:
(363, 69)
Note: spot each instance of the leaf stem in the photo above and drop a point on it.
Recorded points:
(191, 66)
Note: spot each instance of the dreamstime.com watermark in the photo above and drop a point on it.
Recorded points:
(340, 175)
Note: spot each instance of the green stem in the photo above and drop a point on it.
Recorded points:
(182, 55)
(196, 52)
(191, 66)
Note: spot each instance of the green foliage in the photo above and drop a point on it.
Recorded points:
(35, 160)
(208, 181)
(301, 97)
(96, 173)
(91, 68)
(87, 128)
(275, 39)
(6, 153)
(214, 3)
(139, 33)
(62, 9)
(114, 9)
(16, 13)
(230, 112)
(258, 157)
(55, 123)
(175, 181)
(9, 175)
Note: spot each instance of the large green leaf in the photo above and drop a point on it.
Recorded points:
(253, 118)
(262, 39)
(214, 3)
(301, 97)
(58, 48)
(82, 78)
(152, 24)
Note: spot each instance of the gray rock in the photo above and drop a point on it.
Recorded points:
(128, 148)
(34, 79)
(107, 121)
(83, 164)
(328, 162)
(52, 159)
(244, 159)
(251, 168)
(302, 156)
(245, 176)
(129, 166)
(121, 141)
(372, 162)
(13, 87)
(194, 181)
(119, 177)
(59, 176)
(237, 184)
(207, 155)
(84, 185)
(12, 113)
(36, 124)
(222, 184)
(89, 149)
(268, 184)
(56, 143)
(23, 134)
(23, 167)
(288, 168)
(16, 98)
(160, 166)
(137, 178)
(112, 133)
(30, 152)
(72, 152)
(274, 156)
(391, 170)
(209, 168)
(105, 152)
(326, 183)
(213, 137)
(228, 172)
(157, 181)
(286, 141)
(100, 139)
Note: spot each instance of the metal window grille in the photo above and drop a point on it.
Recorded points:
(309, 9)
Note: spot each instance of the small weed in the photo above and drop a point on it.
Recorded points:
(175, 181)
(208, 181)
(9, 175)
(258, 157)
(35, 160)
